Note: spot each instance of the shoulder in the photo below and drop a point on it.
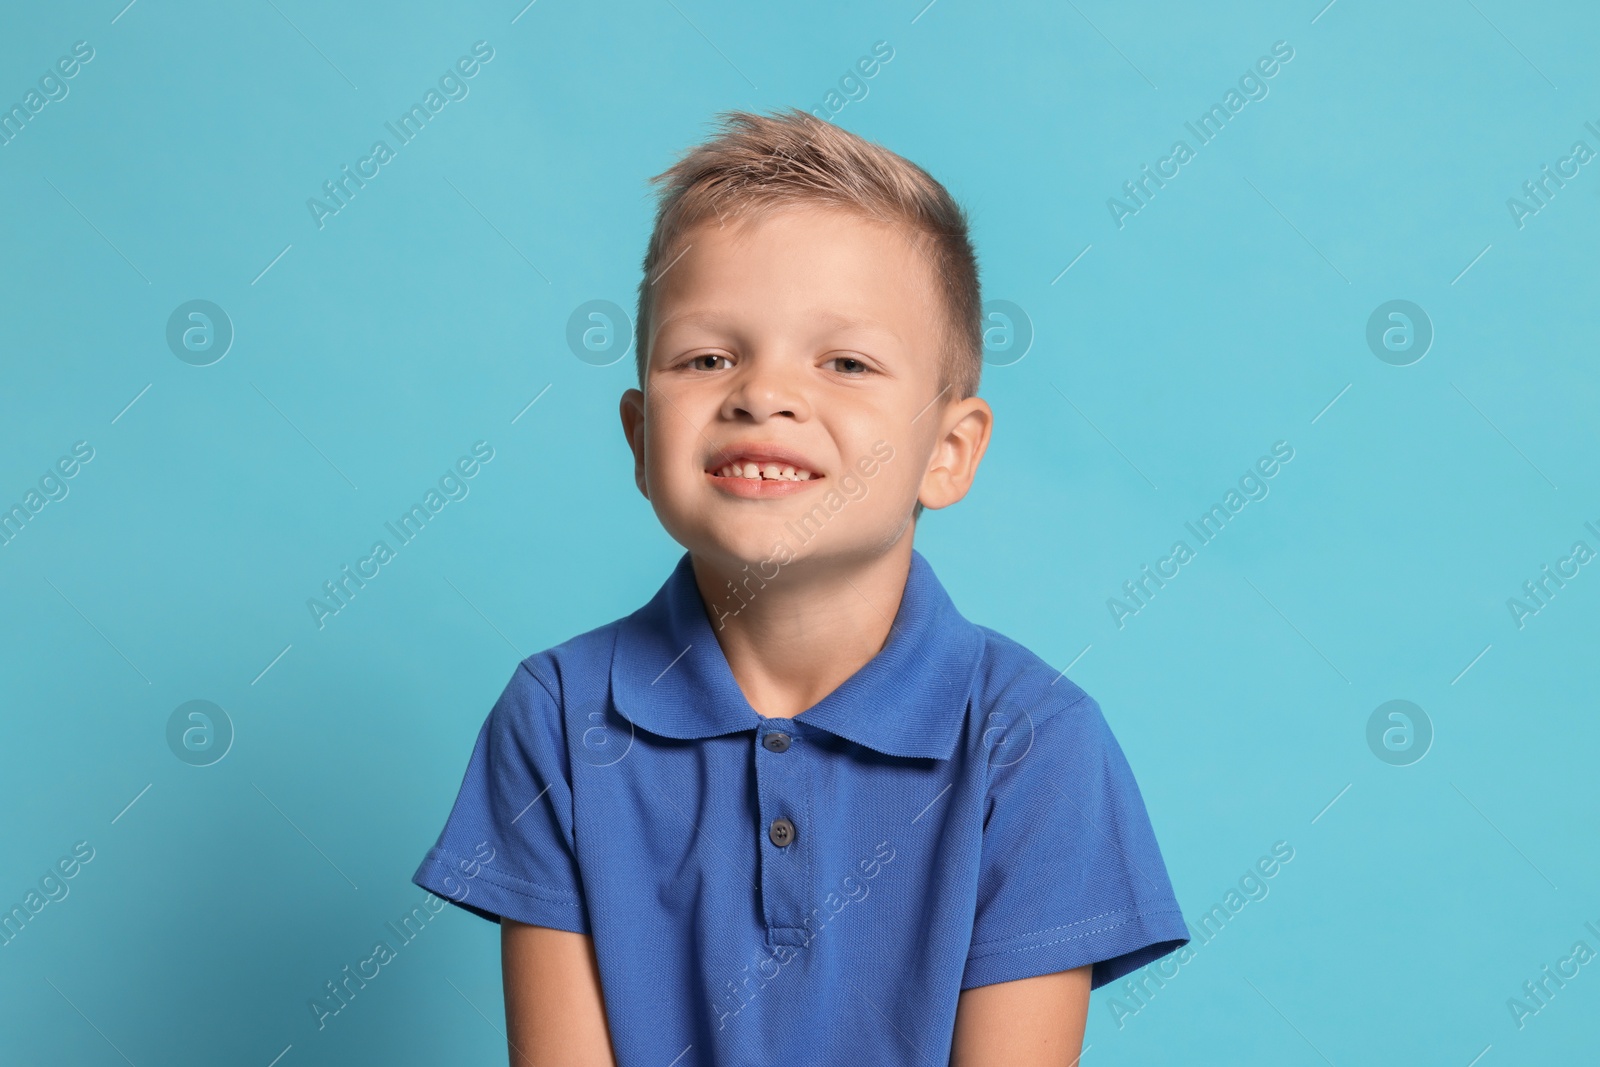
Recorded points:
(1022, 705)
(576, 664)
(554, 682)
(1011, 680)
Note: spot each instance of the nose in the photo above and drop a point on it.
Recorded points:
(764, 389)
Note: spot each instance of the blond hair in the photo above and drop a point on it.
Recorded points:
(757, 163)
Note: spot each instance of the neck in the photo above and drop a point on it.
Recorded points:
(794, 637)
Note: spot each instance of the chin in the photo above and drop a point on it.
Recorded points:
(743, 540)
(742, 547)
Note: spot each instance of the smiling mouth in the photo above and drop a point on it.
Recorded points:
(765, 472)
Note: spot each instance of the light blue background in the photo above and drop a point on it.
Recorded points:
(1226, 315)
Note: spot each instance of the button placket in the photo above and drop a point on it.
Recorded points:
(783, 790)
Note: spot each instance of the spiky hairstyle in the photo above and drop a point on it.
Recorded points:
(758, 163)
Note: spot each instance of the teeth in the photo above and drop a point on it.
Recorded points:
(777, 472)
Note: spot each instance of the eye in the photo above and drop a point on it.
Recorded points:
(849, 366)
(699, 362)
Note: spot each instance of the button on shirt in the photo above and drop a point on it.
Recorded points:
(814, 890)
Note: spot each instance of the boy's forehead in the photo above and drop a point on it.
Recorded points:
(737, 229)
(717, 315)
(854, 272)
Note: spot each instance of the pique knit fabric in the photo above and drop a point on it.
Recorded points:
(815, 890)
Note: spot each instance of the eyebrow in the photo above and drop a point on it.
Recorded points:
(841, 321)
(707, 319)
(714, 320)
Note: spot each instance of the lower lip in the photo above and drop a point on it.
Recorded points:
(762, 488)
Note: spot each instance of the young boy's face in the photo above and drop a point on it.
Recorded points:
(807, 339)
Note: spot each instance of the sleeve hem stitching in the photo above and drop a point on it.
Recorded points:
(1024, 946)
(520, 886)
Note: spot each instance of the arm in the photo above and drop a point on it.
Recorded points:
(555, 1016)
(1031, 1022)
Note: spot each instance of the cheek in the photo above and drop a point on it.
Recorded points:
(669, 439)
(672, 471)
(659, 464)
(889, 494)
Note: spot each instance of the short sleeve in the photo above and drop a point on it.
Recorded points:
(507, 847)
(1070, 873)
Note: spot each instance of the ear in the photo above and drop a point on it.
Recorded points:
(632, 411)
(964, 437)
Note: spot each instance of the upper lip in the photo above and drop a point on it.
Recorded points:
(760, 453)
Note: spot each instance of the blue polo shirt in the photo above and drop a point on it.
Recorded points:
(814, 890)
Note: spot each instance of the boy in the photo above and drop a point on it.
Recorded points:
(797, 809)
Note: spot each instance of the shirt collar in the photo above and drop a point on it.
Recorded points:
(669, 674)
